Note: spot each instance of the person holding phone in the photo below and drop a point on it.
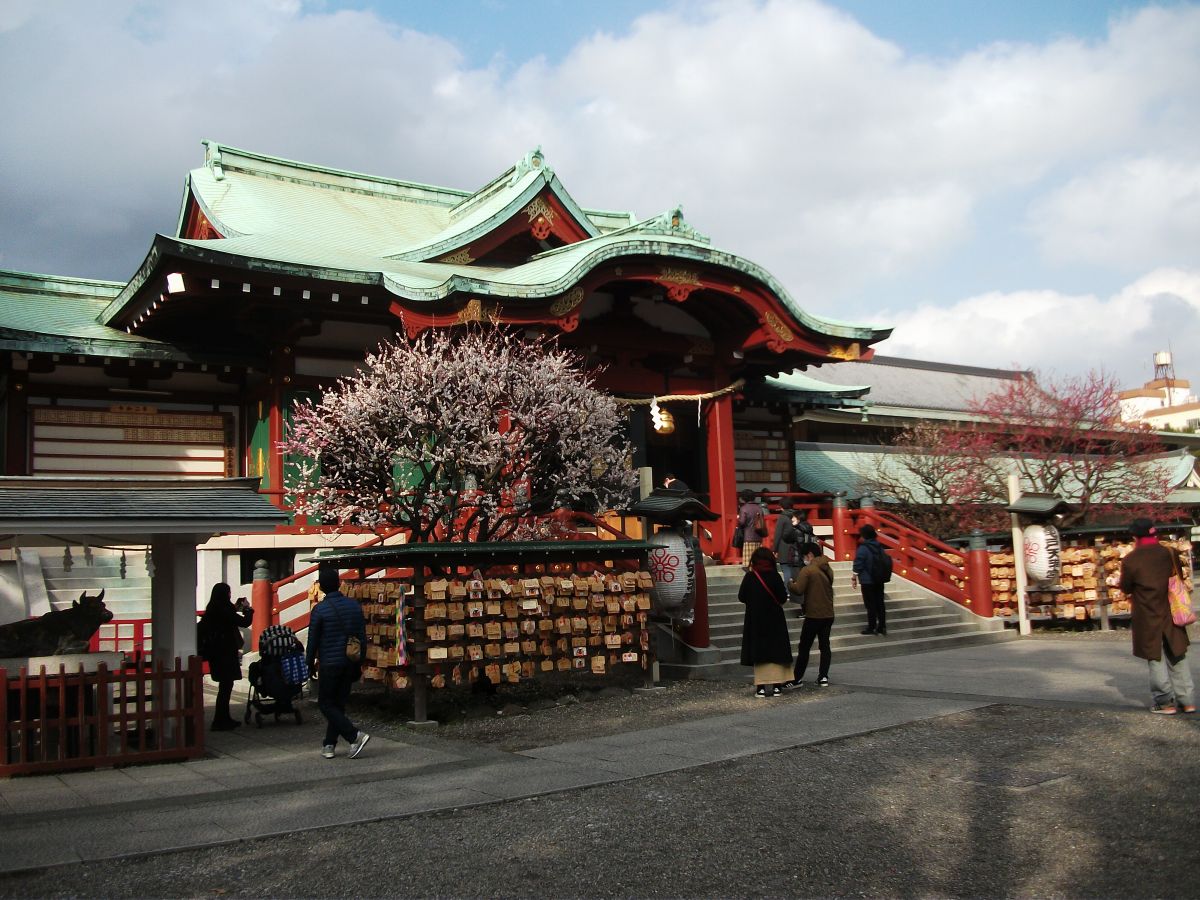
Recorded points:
(219, 636)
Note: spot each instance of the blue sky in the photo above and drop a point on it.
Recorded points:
(1006, 183)
(518, 29)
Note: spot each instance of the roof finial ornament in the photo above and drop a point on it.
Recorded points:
(533, 161)
(673, 223)
(212, 159)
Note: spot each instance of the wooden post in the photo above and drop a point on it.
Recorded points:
(419, 655)
(1014, 494)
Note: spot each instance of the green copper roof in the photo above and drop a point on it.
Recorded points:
(51, 314)
(58, 314)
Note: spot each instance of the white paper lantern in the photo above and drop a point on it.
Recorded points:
(1042, 562)
(674, 571)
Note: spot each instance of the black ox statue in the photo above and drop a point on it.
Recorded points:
(58, 632)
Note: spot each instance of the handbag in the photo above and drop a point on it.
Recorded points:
(1181, 602)
(739, 536)
(353, 644)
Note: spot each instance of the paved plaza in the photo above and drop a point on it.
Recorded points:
(271, 781)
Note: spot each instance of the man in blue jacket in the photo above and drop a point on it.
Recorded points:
(332, 621)
(866, 574)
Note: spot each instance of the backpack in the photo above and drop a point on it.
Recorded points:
(204, 641)
(760, 523)
(881, 565)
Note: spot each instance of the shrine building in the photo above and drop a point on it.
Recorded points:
(282, 275)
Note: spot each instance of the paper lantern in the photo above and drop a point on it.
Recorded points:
(673, 568)
(1042, 559)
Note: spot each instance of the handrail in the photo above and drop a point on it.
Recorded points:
(916, 554)
(278, 606)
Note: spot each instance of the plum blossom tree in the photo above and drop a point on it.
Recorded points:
(1062, 436)
(463, 436)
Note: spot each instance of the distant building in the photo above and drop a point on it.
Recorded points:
(1165, 403)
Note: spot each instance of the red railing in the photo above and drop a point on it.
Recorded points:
(129, 636)
(916, 555)
(55, 721)
(279, 605)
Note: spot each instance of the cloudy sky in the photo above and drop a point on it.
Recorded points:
(1010, 183)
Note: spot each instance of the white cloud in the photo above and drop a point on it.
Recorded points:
(791, 134)
(1048, 330)
(1135, 213)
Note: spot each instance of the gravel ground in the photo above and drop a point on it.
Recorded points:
(1001, 801)
(565, 712)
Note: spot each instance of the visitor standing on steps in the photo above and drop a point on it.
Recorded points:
(870, 559)
(766, 644)
(815, 583)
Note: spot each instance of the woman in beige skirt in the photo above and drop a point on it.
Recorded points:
(766, 644)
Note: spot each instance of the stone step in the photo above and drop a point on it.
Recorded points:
(887, 646)
(849, 636)
(726, 616)
(898, 624)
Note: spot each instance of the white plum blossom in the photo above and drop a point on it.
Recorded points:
(459, 436)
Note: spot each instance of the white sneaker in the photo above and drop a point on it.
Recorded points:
(327, 751)
(359, 742)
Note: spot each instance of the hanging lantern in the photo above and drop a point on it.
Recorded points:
(67, 561)
(122, 563)
(663, 421)
(87, 555)
(1042, 562)
(149, 562)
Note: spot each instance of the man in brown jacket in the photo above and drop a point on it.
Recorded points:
(1157, 639)
(815, 584)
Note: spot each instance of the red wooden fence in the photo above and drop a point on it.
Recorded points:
(55, 721)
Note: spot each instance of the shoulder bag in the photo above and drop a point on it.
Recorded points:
(763, 582)
(353, 644)
(1177, 592)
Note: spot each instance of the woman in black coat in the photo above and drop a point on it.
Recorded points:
(220, 640)
(766, 644)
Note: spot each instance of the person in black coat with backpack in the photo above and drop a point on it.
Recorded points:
(872, 570)
(219, 637)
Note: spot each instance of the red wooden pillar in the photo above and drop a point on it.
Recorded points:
(979, 576)
(260, 601)
(843, 543)
(722, 476)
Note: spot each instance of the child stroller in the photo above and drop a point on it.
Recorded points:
(278, 676)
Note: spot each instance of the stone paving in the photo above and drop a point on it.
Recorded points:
(259, 782)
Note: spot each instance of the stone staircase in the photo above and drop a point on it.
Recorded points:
(127, 597)
(917, 620)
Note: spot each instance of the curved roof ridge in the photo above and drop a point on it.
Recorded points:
(219, 157)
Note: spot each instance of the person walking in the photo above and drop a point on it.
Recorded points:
(766, 644)
(815, 583)
(869, 562)
(752, 524)
(219, 637)
(331, 624)
(1156, 638)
